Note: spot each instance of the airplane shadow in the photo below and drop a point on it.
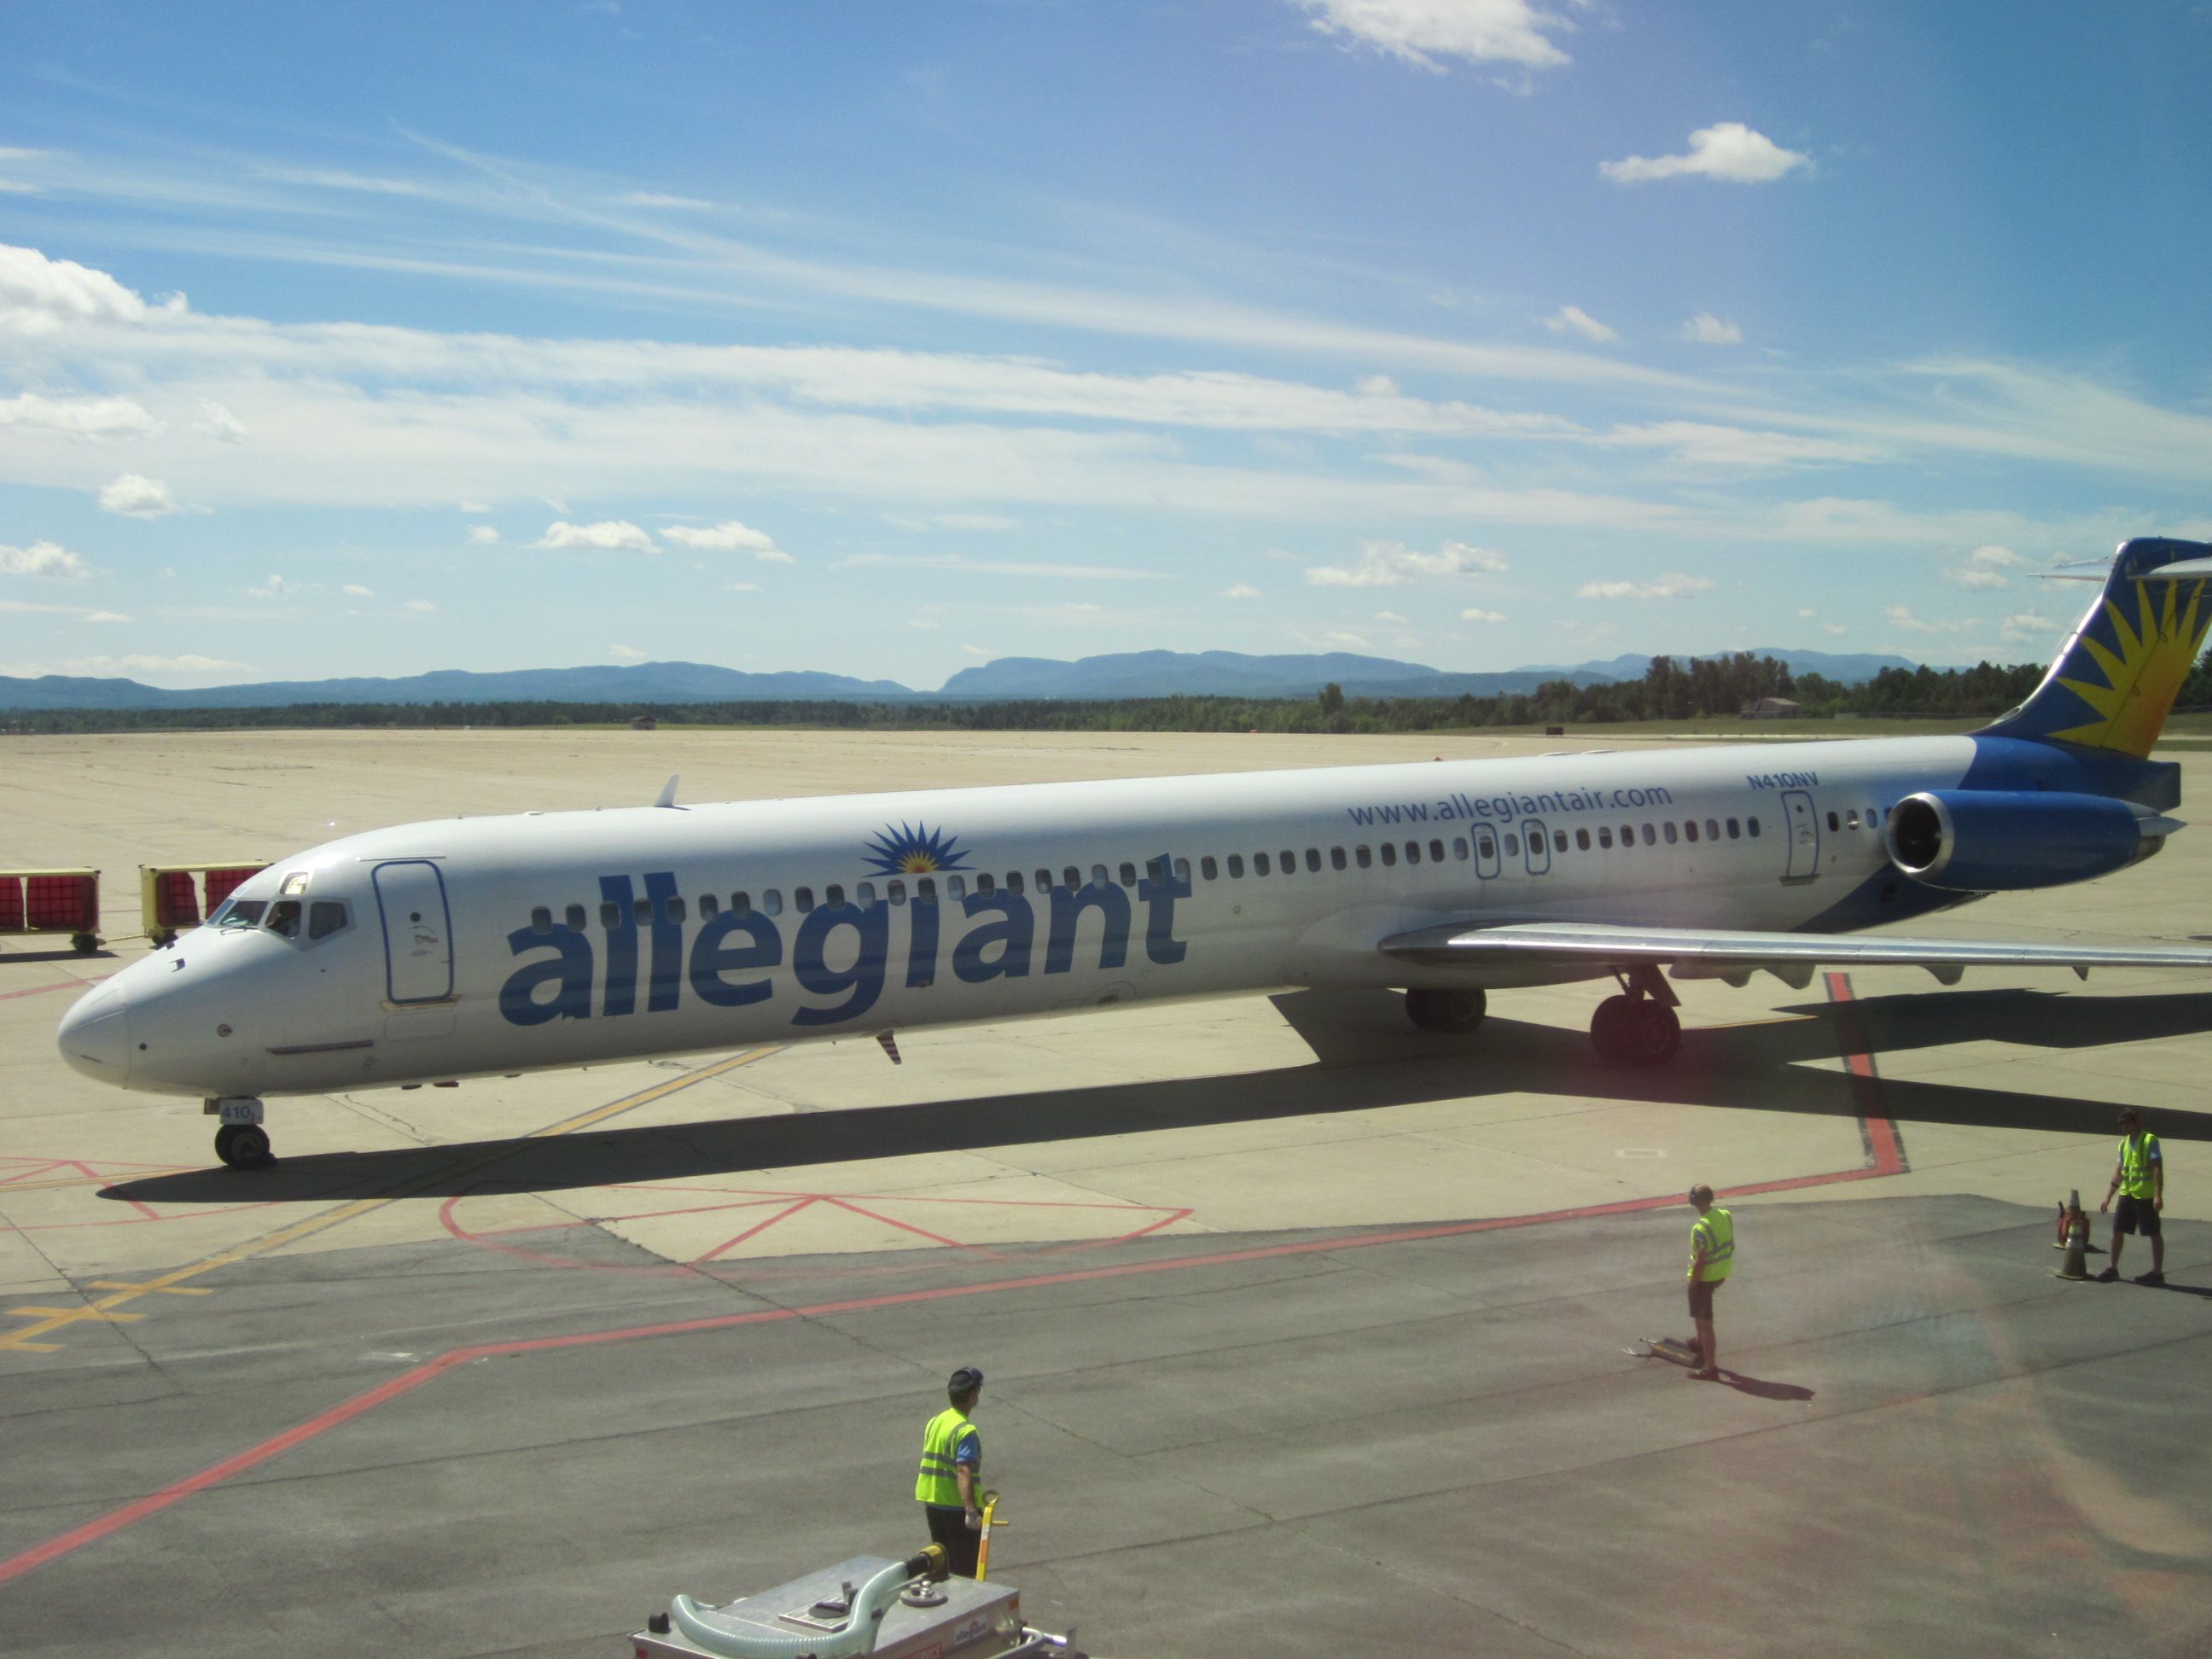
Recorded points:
(1365, 1058)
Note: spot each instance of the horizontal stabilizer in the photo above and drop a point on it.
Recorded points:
(1702, 953)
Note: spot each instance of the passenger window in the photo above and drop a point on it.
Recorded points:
(1513, 847)
(1390, 853)
(1413, 851)
(1735, 831)
(676, 909)
(895, 890)
(1129, 875)
(986, 884)
(1559, 840)
(955, 887)
(541, 920)
(1833, 824)
(1751, 824)
(1182, 871)
(772, 902)
(1336, 858)
(1604, 836)
(1628, 834)
(575, 918)
(925, 891)
(1014, 883)
(802, 899)
(325, 917)
(741, 904)
(642, 909)
(1207, 867)
(1313, 860)
(865, 895)
(833, 897)
(1156, 869)
(610, 915)
(1712, 830)
(1259, 864)
(1488, 848)
(1582, 840)
(1851, 818)
(1666, 830)
(1289, 862)
(1073, 877)
(1364, 858)
(285, 918)
(1649, 839)
(1690, 829)
(1435, 852)
(1459, 849)
(1873, 818)
(1098, 875)
(710, 907)
(1236, 866)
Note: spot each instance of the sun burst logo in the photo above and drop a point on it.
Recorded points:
(2142, 661)
(914, 850)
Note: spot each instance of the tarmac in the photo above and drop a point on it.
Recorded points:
(1306, 1333)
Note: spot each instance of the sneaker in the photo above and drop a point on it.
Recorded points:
(2107, 1276)
(1707, 1374)
(2153, 1277)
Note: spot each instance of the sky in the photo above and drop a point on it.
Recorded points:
(890, 338)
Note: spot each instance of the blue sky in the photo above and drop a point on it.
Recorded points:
(890, 338)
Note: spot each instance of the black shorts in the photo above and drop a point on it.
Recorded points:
(2136, 1215)
(1701, 1296)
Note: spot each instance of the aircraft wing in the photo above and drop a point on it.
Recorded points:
(1716, 953)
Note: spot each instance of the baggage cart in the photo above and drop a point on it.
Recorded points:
(52, 902)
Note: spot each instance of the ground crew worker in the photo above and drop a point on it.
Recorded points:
(2139, 1180)
(950, 1488)
(1712, 1258)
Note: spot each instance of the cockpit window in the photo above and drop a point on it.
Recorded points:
(240, 912)
(325, 917)
(285, 918)
(295, 883)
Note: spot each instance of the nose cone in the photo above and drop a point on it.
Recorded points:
(95, 1036)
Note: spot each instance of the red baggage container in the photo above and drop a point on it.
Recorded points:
(220, 883)
(61, 904)
(176, 904)
(11, 904)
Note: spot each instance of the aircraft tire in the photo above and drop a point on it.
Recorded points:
(1654, 1033)
(244, 1147)
(1609, 1033)
(1452, 1012)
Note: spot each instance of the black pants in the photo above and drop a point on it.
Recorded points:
(950, 1529)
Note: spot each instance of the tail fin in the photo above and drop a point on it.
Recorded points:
(2116, 676)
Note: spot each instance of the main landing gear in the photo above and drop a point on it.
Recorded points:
(1454, 1011)
(1639, 1026)
(241, 1143)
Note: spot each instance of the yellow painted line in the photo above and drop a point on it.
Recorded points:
(118, 1292)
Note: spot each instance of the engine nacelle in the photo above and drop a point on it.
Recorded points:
(1976, 840)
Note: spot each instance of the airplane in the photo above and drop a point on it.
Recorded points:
(466, 948)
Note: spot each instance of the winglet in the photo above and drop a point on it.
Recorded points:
(668, 790)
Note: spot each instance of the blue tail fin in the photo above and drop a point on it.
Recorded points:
(2116, 678)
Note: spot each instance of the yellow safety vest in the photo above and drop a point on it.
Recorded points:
(937, 1483)
(2136, 1167)
(1716, 1230)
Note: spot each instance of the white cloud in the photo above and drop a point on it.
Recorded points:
(1350, 642)
(1391, 616)
(422, 606)
(358, 592)
(975, 651)
(654, 199)
(276, 588)
(1726, 151)
(1806, 614)
(1392, 564)
(480, 506)
(38, 296)
(1985, 566)
(1705, 329)
(1240, 591)
(136, 497)
(1422, 31)
(1901, 617)
(1573, 319)
(217, 422)
(76, 417)
(627, 653)
(41, 559)
(1834, 628)
(741, 587)
(1700, 444)
(607, 536)
(1672, 586)
(2031, 627)
(999, 567)
(482, 535)
(729, 537)
(1477, 615)
(106, 616)
(112, 667)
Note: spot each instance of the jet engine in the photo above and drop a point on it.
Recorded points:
(1974, 840)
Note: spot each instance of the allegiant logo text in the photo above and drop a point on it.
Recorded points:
(731, 960)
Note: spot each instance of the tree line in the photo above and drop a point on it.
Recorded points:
(1706, 688)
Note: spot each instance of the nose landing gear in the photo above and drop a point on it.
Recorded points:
(1639, 1027)
(241, 1143)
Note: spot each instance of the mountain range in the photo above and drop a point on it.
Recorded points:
(1122, 674)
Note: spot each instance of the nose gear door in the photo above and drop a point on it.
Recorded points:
(418, 951)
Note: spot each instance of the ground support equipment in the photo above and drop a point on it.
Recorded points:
(931, 1617)
(52, 902)
(171, 901)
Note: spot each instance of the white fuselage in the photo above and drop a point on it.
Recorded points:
(475, 946)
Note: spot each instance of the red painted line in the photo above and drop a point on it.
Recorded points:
(1885, 1149)
(758, 1227)
(1887, 1159)
(58, 985)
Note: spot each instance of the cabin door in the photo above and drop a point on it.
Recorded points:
(1803, 828)
(418, 931)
